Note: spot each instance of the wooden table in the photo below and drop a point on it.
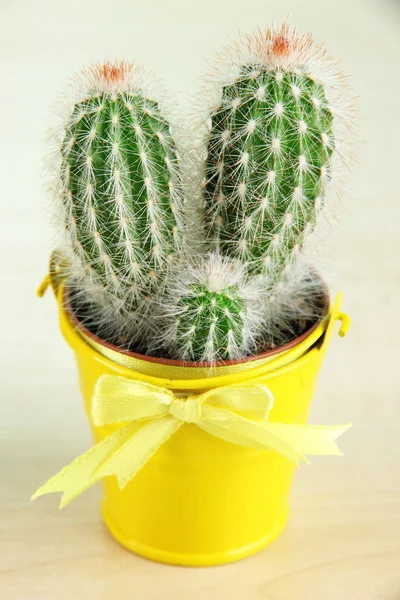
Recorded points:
(342, 539)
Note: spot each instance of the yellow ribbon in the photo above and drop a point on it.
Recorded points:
(236, 414)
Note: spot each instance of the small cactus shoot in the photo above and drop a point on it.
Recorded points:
(211, 311)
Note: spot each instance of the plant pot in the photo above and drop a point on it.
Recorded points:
(201, 500)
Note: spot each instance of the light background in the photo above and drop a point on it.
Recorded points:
(343, 535)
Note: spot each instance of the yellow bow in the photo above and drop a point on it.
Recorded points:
(236, 414)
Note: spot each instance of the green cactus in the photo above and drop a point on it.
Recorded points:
(121, 193)
(271, 153)
(211, 311)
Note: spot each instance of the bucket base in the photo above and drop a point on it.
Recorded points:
(194, 560)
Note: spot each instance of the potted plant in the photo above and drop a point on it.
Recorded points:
(197, 325)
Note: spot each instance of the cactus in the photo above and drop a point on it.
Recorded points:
(273, 152)
(120, 187)
(211, 311)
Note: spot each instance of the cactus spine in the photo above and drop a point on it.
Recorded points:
(271, 151)
(211, 311)
(121, 193)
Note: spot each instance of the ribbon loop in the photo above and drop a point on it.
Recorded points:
(186, 410)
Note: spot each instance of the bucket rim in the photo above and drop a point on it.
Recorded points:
(85, 332)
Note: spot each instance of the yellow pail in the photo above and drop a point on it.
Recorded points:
(201, 500)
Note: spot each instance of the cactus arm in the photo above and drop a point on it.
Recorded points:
(271, 151)
(121, 192)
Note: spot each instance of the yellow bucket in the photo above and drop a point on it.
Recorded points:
(201, 500)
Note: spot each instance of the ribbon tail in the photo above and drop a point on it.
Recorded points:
(239, 430)
(310, 439)
(123, 453)
(293, 441)
(76, 477)
(129, 458)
